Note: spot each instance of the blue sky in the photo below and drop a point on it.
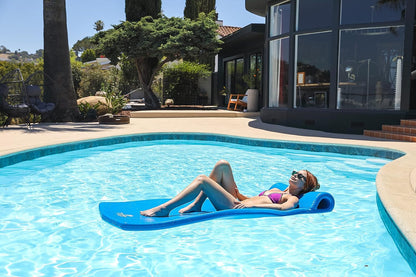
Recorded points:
(21, 21)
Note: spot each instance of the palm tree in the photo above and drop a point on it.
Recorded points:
(59, 87)
(98, 25)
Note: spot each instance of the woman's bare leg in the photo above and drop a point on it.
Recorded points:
(223, 175)
(220, 198)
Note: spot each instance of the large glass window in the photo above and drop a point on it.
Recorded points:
(239, 72)
(313, 62)
(279, 19)
(412, 103)
(314, 14)
(370, 11)
(230, 75)
(256, 65)
(234, 71)
(370, 68)
(279, 72)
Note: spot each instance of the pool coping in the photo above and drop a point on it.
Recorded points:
(16, 157)
(391, 216)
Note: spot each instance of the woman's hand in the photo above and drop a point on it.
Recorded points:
(240, 206)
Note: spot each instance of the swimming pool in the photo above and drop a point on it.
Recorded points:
(51, 225)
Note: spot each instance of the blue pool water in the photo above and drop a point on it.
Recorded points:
(50, 224)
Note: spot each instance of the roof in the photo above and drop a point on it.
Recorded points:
(247, 32)
(224, 31)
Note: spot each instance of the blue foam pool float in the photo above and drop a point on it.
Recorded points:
(126, 215)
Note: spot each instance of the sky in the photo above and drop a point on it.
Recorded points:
(21, 21)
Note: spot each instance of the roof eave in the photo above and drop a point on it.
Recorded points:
(258, 7)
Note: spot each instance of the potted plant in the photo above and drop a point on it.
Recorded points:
(115, 103)
(223, 94)
(250, 79)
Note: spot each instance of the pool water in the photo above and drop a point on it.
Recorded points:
(50, 224)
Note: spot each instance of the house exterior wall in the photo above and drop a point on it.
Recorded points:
(336, 65)
(239, 47)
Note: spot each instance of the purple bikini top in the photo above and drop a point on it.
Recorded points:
(274, 197)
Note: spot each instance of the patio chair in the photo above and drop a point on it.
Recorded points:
(37, 106)
(12, 108)
(239, 101)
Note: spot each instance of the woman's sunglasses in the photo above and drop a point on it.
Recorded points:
(299, 175)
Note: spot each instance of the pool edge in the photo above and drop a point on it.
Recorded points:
(16, 157)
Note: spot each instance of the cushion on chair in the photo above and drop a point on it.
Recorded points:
(42, 107)
(33, 91)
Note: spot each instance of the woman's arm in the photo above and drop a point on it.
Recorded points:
(240, 196)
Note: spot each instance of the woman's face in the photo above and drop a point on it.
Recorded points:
(298, 178)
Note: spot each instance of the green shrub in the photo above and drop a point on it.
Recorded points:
(181, 81)
(88, 55)
(88, 112)
(92, 80)
(27, 68)
(115, 101)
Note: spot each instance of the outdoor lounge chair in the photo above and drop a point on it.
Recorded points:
(10, 108)
(239, 101)
(37, 106)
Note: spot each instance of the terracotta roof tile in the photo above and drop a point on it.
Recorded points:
(224, 31)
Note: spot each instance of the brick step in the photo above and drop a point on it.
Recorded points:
(390, 135)
(400, 129)
(408, 122)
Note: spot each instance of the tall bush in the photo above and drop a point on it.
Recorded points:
(88, 55)
(181, 82)
(93, 79)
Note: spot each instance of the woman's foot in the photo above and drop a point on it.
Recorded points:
(158, 211)
(190, 209)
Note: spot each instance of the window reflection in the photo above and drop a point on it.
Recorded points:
(371, 11)
(279, 19)
(229, 75)
(239, 72)
(370, 68)
(256, 65)
(314, 14)
(279, 73)
(234, 71)
(412, 103)
(313, 70)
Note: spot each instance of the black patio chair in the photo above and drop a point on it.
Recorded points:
(12, 106)
(37, 106)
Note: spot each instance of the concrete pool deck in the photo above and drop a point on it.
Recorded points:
(396, 181)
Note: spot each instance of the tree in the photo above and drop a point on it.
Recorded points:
(136, 9)
(82, 45)
(3, 49)
(88, 55)
(59, 88)
(192, 10)
(194, 7)
(161, 40)
(98, 25)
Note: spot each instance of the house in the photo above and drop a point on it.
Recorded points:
(241, 53)
(332, 65)
(103, 62)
